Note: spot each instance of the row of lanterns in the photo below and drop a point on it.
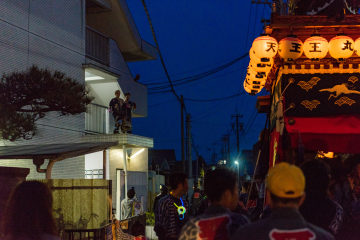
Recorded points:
(264, 49)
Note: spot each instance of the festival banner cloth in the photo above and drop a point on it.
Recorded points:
(315, 95)
(322, 111)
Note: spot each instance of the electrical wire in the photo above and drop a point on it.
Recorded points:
(161, 103)
(198, 76)
(250, 122)
(215, 77)
(214, 99)
(189, 72)
(160, 55)
(255, 22)
(248, 28)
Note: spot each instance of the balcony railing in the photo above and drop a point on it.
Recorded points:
(97, 46)
(94, 174)
(97, 119)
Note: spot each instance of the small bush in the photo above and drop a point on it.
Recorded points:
(150, 218)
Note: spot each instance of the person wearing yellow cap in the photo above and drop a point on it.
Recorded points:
(286, 192)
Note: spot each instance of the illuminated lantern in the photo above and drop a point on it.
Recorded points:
(290, 48)
(248, 88)
(357, 46)
(265, 47)
(253, 57)
(254, 81)
(341, 47)
(261, 66)
(252, 74)
(316, 47)
(252, 89)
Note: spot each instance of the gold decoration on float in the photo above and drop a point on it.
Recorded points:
(353, 79)
(345, 100)
(310, 104)
(309, 84)
(338, 90)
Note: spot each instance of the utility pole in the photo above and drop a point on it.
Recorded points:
(197, 160)
(226, 140)
(238, 127)
(182, 134)
(188, 138)
(228, 148)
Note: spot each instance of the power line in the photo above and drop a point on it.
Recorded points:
(209, 111)
(248, 28)
(213, 99)
(251, 122)
(165, 90)
(199, 75)
(160, 55)
(161, 103)
(189, 72)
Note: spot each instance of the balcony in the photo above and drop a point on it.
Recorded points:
(97, 46)
(99, 127)
(97, 120)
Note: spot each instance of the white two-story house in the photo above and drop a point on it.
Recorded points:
(91, 41)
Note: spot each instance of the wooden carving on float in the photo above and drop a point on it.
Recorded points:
(331, 8)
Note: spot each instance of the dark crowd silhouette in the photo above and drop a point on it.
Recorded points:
(319, 199)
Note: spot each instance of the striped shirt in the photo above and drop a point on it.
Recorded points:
(169, 220)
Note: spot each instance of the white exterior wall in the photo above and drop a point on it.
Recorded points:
(51, 34)
(137, 170)
(127, 84)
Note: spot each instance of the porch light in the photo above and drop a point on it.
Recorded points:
(341, 47)
(94, 78)
(290, 48)
(137, 153)
(316, 47)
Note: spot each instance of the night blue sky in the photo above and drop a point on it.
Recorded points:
(194, 37)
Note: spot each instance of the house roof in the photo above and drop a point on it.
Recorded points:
(118, 24)
(51, 151)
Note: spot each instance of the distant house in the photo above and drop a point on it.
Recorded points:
(162, 161)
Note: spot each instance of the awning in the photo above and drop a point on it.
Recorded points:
(50, 151)
(340, 134)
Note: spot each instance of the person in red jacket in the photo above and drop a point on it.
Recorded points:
(217, 222)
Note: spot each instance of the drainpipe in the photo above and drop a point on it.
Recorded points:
(125, 169)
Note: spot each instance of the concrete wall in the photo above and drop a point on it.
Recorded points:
(50, 34)
(137, 170)
(69, 168)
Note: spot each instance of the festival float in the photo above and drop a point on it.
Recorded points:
(309, 60)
